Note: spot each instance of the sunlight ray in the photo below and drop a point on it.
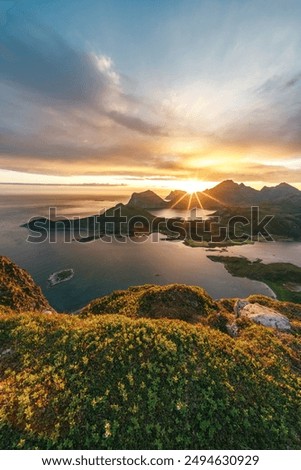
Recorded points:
(213, 198)
(197, 196)
(178, 200)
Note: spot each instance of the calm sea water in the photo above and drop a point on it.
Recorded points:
(101, 267)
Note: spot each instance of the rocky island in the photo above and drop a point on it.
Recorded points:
(60, 276)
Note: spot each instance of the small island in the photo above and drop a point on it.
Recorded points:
(60, 276)
(283, 278)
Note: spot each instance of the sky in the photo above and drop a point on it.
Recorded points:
(150, 93)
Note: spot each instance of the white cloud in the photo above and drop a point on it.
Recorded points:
(106, 66)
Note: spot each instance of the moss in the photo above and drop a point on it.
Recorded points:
(189, 303)
(122, 381)
(220, 320)
(112, 382)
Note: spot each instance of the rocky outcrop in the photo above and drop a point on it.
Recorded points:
(262, 315)
(18, 291)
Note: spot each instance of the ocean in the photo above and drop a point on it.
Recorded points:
(101, 266)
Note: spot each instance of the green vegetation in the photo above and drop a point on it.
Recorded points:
(110, 378)
(275, 275)
(177, 301)
(111, 382)
(207, 244)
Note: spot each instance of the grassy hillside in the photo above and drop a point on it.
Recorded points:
(112, 382)
(129, 373)
(18, 290)
(189, 303)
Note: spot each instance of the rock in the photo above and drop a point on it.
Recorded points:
(262, 315)
(239, 304)
(5, 352)
(232, 329)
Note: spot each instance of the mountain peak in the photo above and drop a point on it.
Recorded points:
(281, 191)
(227, 183)
(287, 186)
(147, 200)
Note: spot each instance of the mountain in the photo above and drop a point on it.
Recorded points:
(230, 193)
(234, 194)
(126, 210)
(118, 219)
(282, 191)
(147, 200)
(175, 194)
(18, 290)
(201, 200)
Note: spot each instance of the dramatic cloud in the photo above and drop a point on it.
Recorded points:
(38, 65)
(212, 91)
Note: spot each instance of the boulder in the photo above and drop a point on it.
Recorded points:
(262, 315)
(232, 329)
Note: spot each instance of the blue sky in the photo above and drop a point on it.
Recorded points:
(150, 92)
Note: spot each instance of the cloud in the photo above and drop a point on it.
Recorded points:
(221, 101)
(135, 123)
(293, 81)
(42, 68)
(270, 121)
(41, 62)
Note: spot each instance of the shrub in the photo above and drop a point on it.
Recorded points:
(178, 301)
(111, 382)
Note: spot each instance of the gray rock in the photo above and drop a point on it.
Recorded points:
(262, 315)
(240, 304)
(6, 352)
(232, 329)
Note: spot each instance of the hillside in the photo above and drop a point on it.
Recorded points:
(231, 193)
(110, 378)
(234, 194)
(172, 301)
(285, 223)
(118, 219)
(18, 290)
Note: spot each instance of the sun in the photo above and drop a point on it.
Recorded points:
(192, 186)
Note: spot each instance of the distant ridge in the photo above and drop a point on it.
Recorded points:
(225, 201)
(230, 193)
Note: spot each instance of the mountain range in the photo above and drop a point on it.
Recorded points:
(226, 193)
(281, 204)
